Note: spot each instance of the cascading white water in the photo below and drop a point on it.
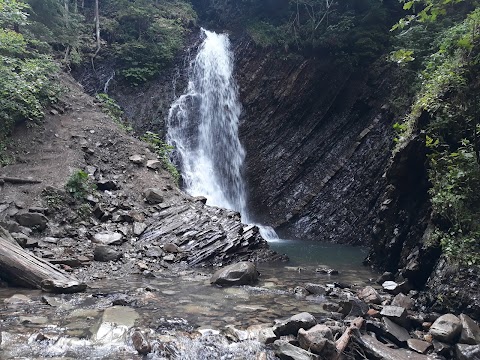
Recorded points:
(203, 128)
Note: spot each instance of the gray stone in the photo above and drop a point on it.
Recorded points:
(403, 301)
(141, 343)
(419, 346)
(318, 339)
(17, 299)
(395, 331)
(171, 248)
(105, 253)
(381, 351)
(21, 239)
(114, 325)
(34, 320)
(370, 295)
(470, 331)
(286, 351)
(32, 220)
(397, 314)
(266, 336)
(153, 196)
(467, 352)
(154, 164)
(137, 159)
(446, 328)
(108, 238)
(103, 185)
(139, 228)
(316, 289)
(291, 325)
(242, 273)
(169, 257)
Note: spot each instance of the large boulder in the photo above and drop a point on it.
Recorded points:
(153, 196)
(470, 331)
(242, 273)
(32, 220)
(370, 295)
(291, 325)
(446, 328)
(105, 253)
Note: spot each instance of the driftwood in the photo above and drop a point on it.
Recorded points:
(19, 181)
(20, 268)
(342, 343)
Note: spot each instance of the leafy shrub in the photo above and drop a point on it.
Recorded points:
(112, 109)
(78, 185)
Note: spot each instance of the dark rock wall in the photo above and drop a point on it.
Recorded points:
(318, 138)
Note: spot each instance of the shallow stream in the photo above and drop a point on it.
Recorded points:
(67, 326)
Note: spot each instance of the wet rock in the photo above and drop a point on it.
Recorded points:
(397, 314)
(293, 324)
(318, 339)
(326, 270)
(441, 348)
(137, 159)
(467, 352)
(402, 300)
(267, 336)
(17, 299)
(301, 291)
(103, 185)
(32, 220)
(201, 199)
(286, 351)
(108, 238)
(446, 328)
(141, 343)
(105, 254)
(316, 289)
(419, 346)
(153, 196)
(370, 295)
(241, 273)
(235, 334)
(115, 324)
(470, 331)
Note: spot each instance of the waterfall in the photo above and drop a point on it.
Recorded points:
(203, 128)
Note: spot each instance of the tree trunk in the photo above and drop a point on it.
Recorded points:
(20, 268)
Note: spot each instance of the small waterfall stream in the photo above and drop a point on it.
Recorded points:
(203, 127)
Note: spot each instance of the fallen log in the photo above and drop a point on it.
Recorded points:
(20, 268)
(19, 181)
(342, 343)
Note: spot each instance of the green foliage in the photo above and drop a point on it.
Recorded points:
(447, 94)
(26, 84)
(163, 150)
(144, 36)
(78, 185)
(112, 109)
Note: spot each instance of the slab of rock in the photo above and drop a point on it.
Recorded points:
(154, 164)
(403, 301)
(370, 295)
(105, 253)
(242, 273)
(141, 343)
(108, 238)
(115, 324)
(291, 325)
(419, 346)
(467, 352)
(381, 351)
(397, 314)
(32, 220)
(318, 339)
(316, 289)
(137, 159)
(396, 332)
(34, 320)
(446, 328)
(139, 228)
(470, 331)
(286, 351)
(153, 196)
(266, 336)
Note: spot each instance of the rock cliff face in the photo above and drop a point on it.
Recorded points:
(318, 139)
